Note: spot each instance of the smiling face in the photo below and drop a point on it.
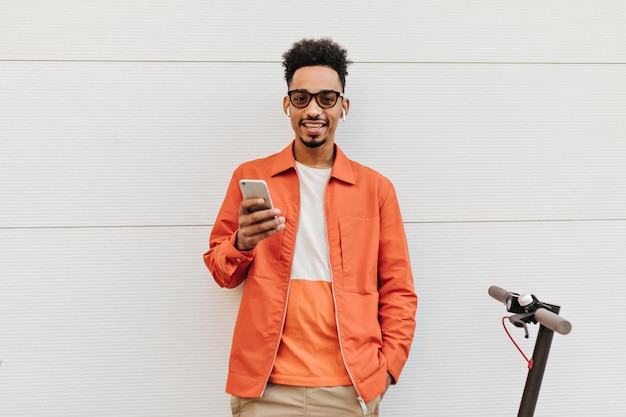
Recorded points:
(313, 125)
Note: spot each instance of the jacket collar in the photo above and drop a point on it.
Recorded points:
(342, 167)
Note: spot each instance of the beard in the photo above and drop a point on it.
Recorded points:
(314, 142)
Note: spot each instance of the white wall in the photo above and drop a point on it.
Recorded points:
(500, 122)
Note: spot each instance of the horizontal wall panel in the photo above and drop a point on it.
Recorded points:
(494, 142)
(100, 144)
(401, 31)
(111, 322)
(129, 144)
(463, 362)
(125, 322)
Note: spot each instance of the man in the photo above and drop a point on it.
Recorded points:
(327, 313)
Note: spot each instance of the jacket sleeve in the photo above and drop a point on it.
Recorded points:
(397, 297)
(228, 265)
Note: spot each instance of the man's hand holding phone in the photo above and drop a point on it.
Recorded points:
(257, 225)
(258, 219)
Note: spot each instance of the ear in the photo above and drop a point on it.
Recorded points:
(286, 106)
(345, 105)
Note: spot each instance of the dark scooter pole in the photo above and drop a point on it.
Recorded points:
(528, 310)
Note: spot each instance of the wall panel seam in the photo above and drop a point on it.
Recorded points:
(406, 223)
(354, 62)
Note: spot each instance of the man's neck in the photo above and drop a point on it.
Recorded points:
(322, 157)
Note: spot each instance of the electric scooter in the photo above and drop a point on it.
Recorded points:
(528, 309)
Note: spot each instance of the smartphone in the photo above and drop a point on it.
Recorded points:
(256, 188)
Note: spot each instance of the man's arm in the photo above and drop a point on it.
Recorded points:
(398, 301)
(235, 235)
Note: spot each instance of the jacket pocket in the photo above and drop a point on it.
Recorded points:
(359, 253)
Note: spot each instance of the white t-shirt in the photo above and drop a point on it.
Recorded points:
(311, 259)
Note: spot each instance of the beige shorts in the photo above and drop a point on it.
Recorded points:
(289, 401)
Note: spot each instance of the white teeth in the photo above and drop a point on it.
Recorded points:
(313, 125)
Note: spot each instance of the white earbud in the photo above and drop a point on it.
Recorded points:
(288, 114)
(343, 114)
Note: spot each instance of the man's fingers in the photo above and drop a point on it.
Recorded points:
(251, 206)
(247, 204)
(264, 225)
(251, 232)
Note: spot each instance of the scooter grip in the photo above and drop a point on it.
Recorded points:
(553, 321)
(499, 293)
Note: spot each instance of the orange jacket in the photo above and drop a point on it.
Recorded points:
(375, 301)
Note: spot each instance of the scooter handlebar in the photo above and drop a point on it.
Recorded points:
(553, 321)
(545, 317)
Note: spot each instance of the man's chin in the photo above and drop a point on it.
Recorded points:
(313, 142)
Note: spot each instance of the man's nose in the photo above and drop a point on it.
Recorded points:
(313, 109)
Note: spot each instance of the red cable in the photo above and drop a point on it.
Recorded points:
(528, 361)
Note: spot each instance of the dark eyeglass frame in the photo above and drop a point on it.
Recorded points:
(310, 97)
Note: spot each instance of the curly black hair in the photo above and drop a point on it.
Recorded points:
(310, 52)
